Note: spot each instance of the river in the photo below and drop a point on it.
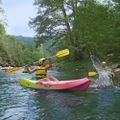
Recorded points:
(18, 103)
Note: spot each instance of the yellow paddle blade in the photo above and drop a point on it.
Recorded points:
(12, 70)
(62, 53)
(92, 74)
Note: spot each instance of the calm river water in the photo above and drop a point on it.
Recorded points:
(18, 103)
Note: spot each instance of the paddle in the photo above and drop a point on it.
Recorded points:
(59, 54)
(12, 70)
(92, 74)
(62, 53)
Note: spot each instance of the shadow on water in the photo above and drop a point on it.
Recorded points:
(102, 104)
(55, 105)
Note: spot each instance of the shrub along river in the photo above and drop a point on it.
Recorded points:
(18, 103)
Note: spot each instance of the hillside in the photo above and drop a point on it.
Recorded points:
(28, 41)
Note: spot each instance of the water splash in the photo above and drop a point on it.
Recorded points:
(104, 78)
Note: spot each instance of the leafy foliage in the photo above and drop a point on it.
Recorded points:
(16, 53)
(83, 26)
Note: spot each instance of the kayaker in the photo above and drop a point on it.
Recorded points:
(108, 69)
(41, 71)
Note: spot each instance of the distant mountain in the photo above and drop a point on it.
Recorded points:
(28, 41)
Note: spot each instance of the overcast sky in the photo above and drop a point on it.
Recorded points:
(18, 14)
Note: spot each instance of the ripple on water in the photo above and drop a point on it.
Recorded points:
(55, 105)
(18, 103)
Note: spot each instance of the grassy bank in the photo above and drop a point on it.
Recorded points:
(79, 66)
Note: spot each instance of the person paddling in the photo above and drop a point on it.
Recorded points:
(41, 71)
(108, 69)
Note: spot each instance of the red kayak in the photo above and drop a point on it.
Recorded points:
(79, 84)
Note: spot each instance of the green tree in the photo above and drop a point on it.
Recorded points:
(83, 26)
(54, 21)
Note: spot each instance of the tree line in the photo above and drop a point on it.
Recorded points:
(14, 52)
(84, 26)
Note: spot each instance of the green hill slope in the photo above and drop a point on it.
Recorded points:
(28, 41)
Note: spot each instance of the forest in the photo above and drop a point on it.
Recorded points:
(83, 26)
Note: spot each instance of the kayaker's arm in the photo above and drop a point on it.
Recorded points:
(29, 70)
(48, 66)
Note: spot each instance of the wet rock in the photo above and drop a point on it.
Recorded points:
(114, 66)
(116, 69)
(117, 72)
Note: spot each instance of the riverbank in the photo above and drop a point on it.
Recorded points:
(79, 66)
(84, 67)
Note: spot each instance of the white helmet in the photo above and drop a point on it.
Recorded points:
(41, 60)
(103, 62)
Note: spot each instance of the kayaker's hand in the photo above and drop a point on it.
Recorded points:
(27, 68)
(53, 65)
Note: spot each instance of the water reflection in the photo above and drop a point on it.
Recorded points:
(18, 103)
(106, 101)
(54, 105)
(11, 101)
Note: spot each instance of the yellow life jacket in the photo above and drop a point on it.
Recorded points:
(41, 72)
